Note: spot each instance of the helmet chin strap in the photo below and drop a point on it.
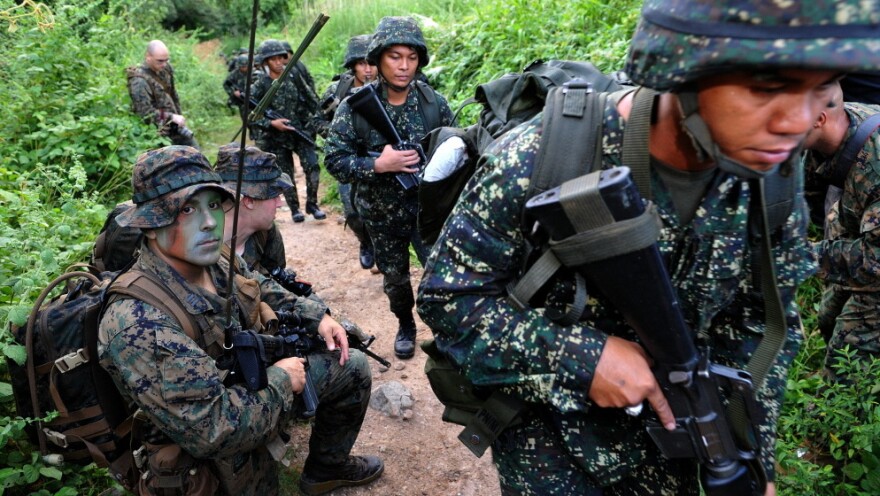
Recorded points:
(399, 89)
(695, 127)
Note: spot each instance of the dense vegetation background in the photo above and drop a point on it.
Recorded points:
(68, 142)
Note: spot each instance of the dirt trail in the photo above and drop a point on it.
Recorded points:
(422, 455)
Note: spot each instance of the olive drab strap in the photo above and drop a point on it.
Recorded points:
(636, 147)
(143, 286)
(571, 146)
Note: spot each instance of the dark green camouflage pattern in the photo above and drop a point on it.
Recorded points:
(388, 212)
(296, 100)
(356, 49)
(849, 260)
(398, 31)
(261, 179)
(463, 298)
(149, 98)
(181, 391)
(235, 80)
(162, 181)
(679, 41)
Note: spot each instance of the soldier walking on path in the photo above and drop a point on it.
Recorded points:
(398, 49)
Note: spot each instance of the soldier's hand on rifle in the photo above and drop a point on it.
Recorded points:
(178, 119)
(334, 336)
(296, 370)
(392, 160)
(623, 378)
(282, 125)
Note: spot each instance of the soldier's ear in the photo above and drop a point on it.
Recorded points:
(820, 122)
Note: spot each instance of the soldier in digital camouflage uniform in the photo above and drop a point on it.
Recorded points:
(223, 429)
(849, 256)
(398, 49)
(235, 83)
(297, 101)
(757, 97)
(360, 72)
(154, 97)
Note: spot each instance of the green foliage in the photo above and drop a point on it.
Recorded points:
(830, 430)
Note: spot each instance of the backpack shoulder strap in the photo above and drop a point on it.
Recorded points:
(635, 153)
(852, 149)
(428, 106)
(145, 287)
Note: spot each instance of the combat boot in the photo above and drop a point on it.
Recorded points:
(356, 471)
(312, 208)
(298, 216)
(366, 256)
(405, 342)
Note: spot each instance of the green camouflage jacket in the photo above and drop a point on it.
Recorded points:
(178, 386)
(380, 197)
(851, 258)
(463, 298)
(153, 96)
(296, 100)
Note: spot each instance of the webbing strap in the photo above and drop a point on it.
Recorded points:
(852, 149)
(636, 150)
(142, 286)
(774, 334)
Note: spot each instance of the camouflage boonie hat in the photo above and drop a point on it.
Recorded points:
(163, 180)
(356, 50)
(262, 178)
(397, 31)
(270, 48)
(680, 41)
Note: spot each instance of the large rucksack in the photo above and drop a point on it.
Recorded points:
(94, 423)
(506, 103)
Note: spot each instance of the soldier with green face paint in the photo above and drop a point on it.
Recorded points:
(389, 212)
(740, 84)
(202, 427)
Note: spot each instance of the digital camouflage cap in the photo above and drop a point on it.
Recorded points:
(270, 48)
(262, 179)
(356, 50)
(163, 180)
(679, 41)
(397, 31)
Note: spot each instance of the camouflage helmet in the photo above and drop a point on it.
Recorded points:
(270, 48)
(397, 31)
(240, 61)
(262, 179)
(680, 41)
(163, 180)
(356, 50)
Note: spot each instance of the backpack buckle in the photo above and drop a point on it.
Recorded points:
(56, 438)
(577, 84)
(72, 360)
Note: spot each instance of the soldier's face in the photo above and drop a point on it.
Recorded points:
(364, 72)
(398, 65)
(158, 60)
(276, 64)
(759, 118)
(261, 213)
(195, 237)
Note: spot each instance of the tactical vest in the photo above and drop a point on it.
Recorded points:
(429, 109)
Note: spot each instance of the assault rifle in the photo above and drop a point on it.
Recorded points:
(255, 352)
(273, 115)
(357, 338)
(634, 279)
(365, 102)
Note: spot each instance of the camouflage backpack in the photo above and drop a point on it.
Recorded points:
(62, 374)
(507, 102)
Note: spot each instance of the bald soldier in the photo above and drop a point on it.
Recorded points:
(154, 97)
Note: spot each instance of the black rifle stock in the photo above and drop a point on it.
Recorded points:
(638, 285)
(255, 352)
(366, 103)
